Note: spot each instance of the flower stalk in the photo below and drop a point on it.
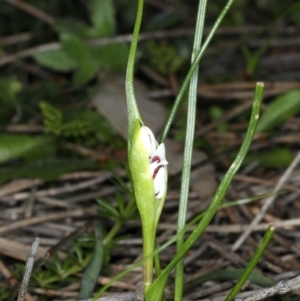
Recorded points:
(147, 164)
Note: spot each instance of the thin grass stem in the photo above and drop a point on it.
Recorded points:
(188, 150)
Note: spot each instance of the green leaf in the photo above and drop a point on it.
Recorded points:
(77, 49)
(216, 112)
(73, 27)
(279, 110)
(84, 74)
(103, 17)
(53, 118)
(113, 57)
(57, 60)
(92, 271)
(276, 157)
(14, 146)
(105, 209)
(10, 87)
(252, 263)
(230, 274)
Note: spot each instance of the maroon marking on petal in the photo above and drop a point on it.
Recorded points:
(156, 171)
(155, 158)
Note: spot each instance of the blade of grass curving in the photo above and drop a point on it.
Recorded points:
(92, 271)
(192, 70)
(156, 290)
(132, 109)
(156, 261)
(230, 274)
(188, 150)
(252, 264)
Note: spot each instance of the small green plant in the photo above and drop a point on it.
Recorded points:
(55, 124)
(164, 58)
(148, 168)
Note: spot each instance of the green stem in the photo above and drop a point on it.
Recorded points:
(114, 230)
(133, 116)
(132, 109)
(156, 290)
(156, 261)
(188, 149)
(148, 249)
(252, 264)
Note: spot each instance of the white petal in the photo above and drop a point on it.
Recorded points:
(160, 182)
(148, 140)
(160, 154)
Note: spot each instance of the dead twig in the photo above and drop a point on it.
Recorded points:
(281, 288)
(32, 11)
(267, 203)
(28, 269)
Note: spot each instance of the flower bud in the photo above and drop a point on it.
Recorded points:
(159, 171)
(159, 174)
(157, 161)
(159, 154)
(148, 140)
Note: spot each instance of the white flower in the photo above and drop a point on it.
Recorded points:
(158, 170)
(157, 161)
(159, 175)
(148, 140)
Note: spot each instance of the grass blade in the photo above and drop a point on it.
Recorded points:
(252, 264)
(156, 290)
(188, 150)
(92, 271)
(192, 70)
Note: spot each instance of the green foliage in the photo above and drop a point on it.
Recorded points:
(253, 59)
(230, 274)
(279, 110)
(164, 58)
(82, 57)
(274, 157)
(216, 112)
(10, 87)
(57, 268)
(252, 263)
(76, 55)
(156, 290)
(76, 128)
(85, 124)
(55, 124)
(53, 118)
(73, 27)
(85, 60)
(102, 16)
(91, 274)
(106, 209)
(57, 60)
(13, 146)
(120, 213)
(102, 19)
(77, 50)
(112, 57)
(5, 293)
